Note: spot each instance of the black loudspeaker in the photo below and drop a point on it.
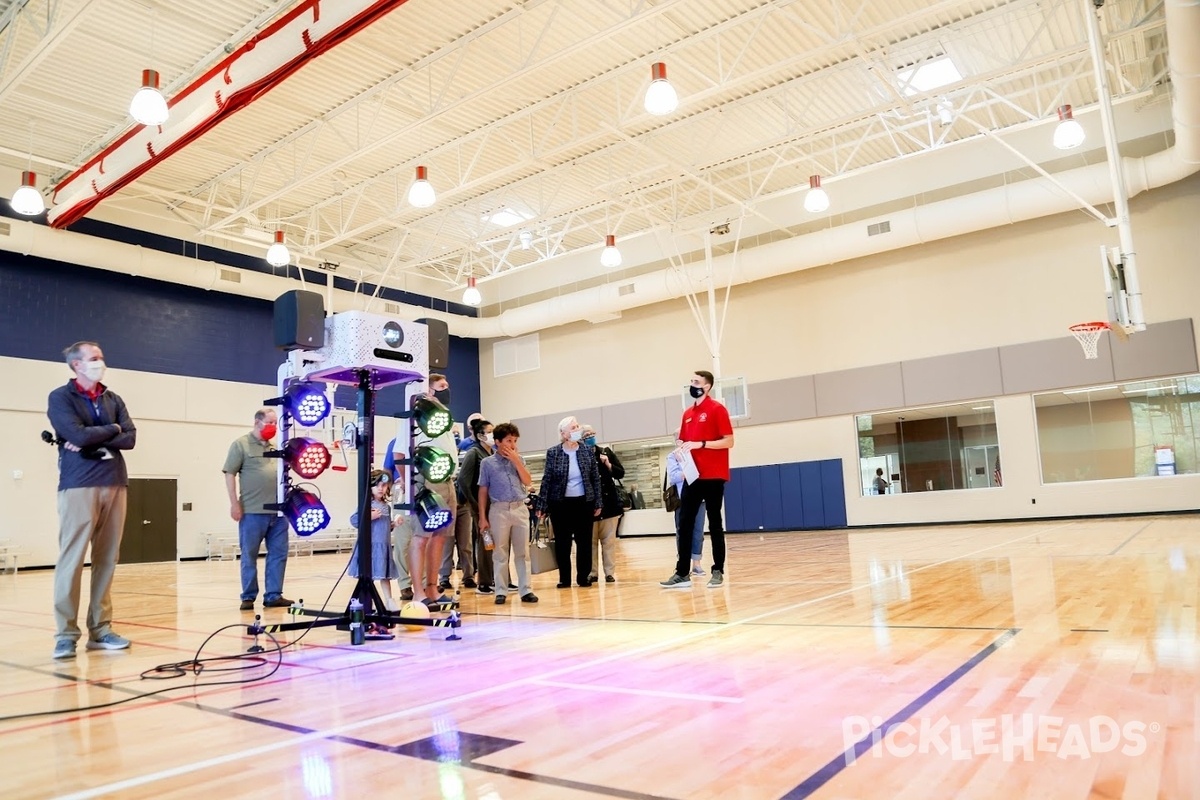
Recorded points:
(299, 321)
(439, 343)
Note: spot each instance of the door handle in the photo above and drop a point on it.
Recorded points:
(145, 522)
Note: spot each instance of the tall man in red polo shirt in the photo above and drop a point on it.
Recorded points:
(708, 434)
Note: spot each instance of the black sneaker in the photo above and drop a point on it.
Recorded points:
(484, 588)
(444, 586)
(500, 599)
(468, 583)
(609, 579)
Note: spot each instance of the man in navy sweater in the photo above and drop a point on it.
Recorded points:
(93, 427)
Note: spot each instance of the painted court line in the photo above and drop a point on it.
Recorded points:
(589, 687)
(253, 752)
(843, 760)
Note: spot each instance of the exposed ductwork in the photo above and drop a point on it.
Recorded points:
(991, 208)
(254, 68)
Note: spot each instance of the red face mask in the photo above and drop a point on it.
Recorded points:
(268, 432)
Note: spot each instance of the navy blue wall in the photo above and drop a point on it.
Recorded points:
(154, 326)
(804, 495)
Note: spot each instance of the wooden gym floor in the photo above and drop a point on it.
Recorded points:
(1043, 659)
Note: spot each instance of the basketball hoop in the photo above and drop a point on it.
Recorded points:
(1088, 336)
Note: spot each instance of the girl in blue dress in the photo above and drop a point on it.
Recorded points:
(383, 564)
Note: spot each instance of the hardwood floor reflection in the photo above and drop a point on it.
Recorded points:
(1048, 659)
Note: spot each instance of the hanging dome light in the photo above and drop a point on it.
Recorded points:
(610, 256)
(148, 106)
(526, 239)
(27, 200)
(660, 94)
(816, 200)
(277, 254)
(421, 193)
(471, 296)
(1069, 133)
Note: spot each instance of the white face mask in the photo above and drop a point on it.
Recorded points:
(94, 370)
(489, 439)
(576, 436)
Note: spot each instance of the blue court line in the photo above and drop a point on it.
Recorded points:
(1131, 537)
(828, 772)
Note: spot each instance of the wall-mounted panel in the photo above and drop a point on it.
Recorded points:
(781, 401)
(752, 507)
(951, 378)
(1053, 364)
(1165, 348)
(833, 493)
(793, 498)
(854, 390)
(772, 498)
(533, 434)
(812, 496)
(641, 419)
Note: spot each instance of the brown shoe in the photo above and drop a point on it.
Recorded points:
(247, 605)
(406, 594)
(278, 602)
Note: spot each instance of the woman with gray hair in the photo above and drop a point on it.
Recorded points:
(570, 494)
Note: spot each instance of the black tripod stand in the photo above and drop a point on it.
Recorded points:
(365, 606)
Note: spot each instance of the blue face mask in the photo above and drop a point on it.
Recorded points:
(590, 441)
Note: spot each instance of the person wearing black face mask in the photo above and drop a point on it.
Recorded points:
(247, 464)
(706, 434)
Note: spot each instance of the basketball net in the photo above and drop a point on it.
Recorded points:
(1088, 336)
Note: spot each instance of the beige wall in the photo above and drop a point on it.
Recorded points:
(1010, 285)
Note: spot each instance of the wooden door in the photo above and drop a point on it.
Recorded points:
(150, 521)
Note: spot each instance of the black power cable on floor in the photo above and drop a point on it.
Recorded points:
(197, 665)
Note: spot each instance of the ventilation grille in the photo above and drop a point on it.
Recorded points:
(879, 227)
(626, 289)
(230, 275)
(522, 354)
(391, 308)
(5, 229)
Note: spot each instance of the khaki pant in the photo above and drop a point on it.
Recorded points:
(509, 524)
(92, 515)
(604, 542)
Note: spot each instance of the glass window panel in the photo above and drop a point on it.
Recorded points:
(940, 448)
(1140, 429)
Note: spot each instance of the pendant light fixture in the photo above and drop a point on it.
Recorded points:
(660, 94)
(277, 254)
(27, 200)
(471, 296)
(610, 256)
(421, 193)
(148, 106)
(816, 201)
(1069, 133)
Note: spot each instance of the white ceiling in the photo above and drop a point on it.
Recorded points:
(537, 106)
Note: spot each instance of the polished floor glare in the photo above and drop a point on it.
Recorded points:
(1035, 660)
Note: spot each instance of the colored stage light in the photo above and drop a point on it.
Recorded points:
(430, 512)
(306, 402)
(434, 463)
(308, 458)
(432, 417)
(305, 512)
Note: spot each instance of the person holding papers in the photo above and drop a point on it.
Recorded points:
(705, 438)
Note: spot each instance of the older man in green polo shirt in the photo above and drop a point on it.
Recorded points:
(259, 478)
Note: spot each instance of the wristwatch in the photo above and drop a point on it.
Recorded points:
(704, 445)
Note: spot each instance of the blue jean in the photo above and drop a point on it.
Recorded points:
(252, 529)
(697, 532)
